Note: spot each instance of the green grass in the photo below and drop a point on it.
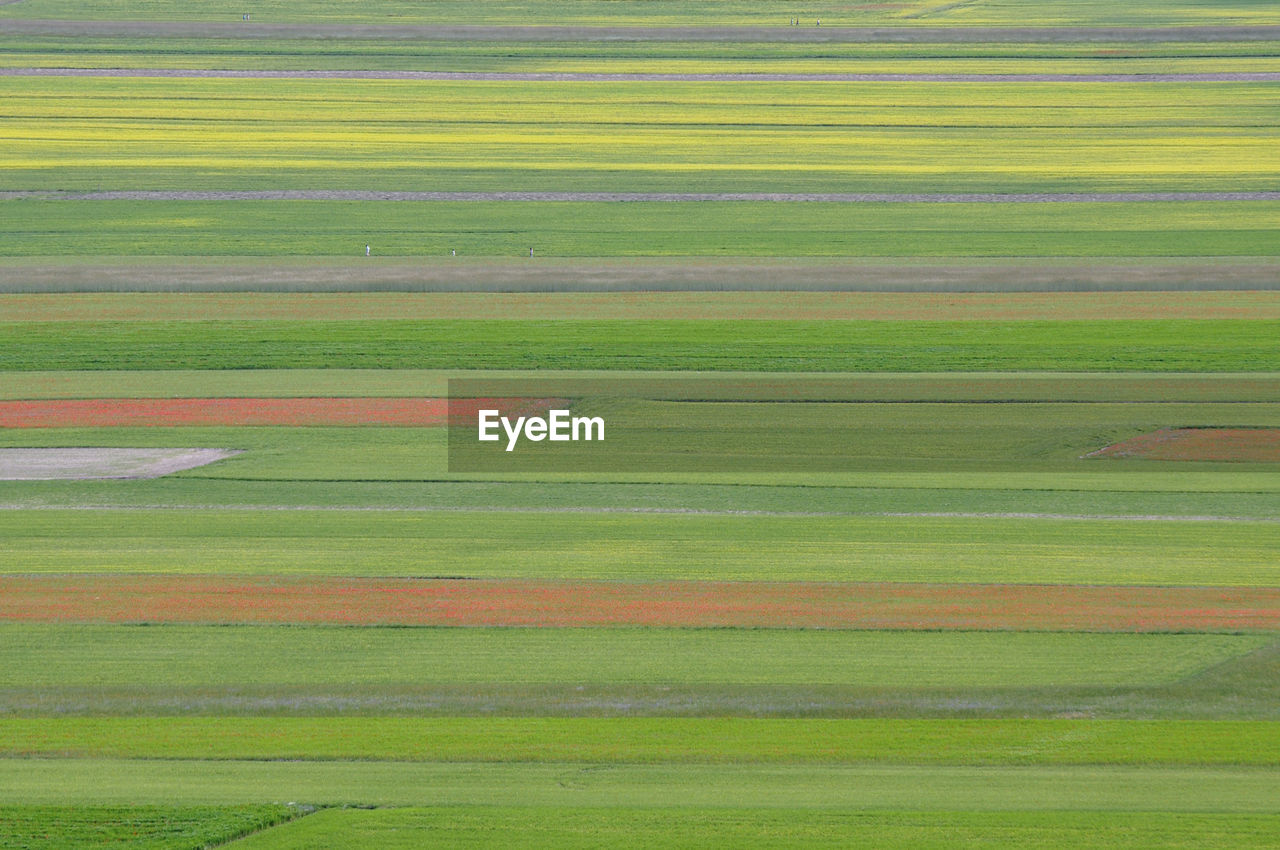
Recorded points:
(1110, 496)
(641, 546)
(187, 657)
(1232, 691)
(648, 740)
(778, 346)
(465, 827)
(660, 787)
(651, 229)
(1243, 687)
(144, 827)
(634, 737)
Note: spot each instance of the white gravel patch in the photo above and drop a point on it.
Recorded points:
(85, 463)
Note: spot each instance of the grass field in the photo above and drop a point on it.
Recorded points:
(651, 740)
(674, 12)
(642, 547)
(721, 827)
(899, 600)
(193, 657)
(621, 56)
(641, 827)
(148, 827)
(1173, 345)
(795, 793)
(647, 229)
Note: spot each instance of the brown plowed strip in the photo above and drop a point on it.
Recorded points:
(161, 412)
(455, 602)
(1221, 445)
(549, 306)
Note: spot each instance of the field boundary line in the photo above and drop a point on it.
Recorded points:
(301, 810)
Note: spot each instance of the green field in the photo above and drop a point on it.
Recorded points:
(493, 826)
(721, 827)
(651, 740)
(146, 827)
(804, 395)
(1224, 495)
(674, 12)
(637, 546)
(795, 793)
(181, 658)
(776, 346)
(623, 56)
(649, 229)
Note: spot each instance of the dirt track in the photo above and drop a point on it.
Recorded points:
(428, 32)
(494, 76)
(640, 197)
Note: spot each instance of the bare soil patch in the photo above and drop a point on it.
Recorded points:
(1220, 445)
(454, 602)
(86, 463)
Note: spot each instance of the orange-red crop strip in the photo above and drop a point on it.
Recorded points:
(162, 412)
(461, 602)
(1223, 445)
